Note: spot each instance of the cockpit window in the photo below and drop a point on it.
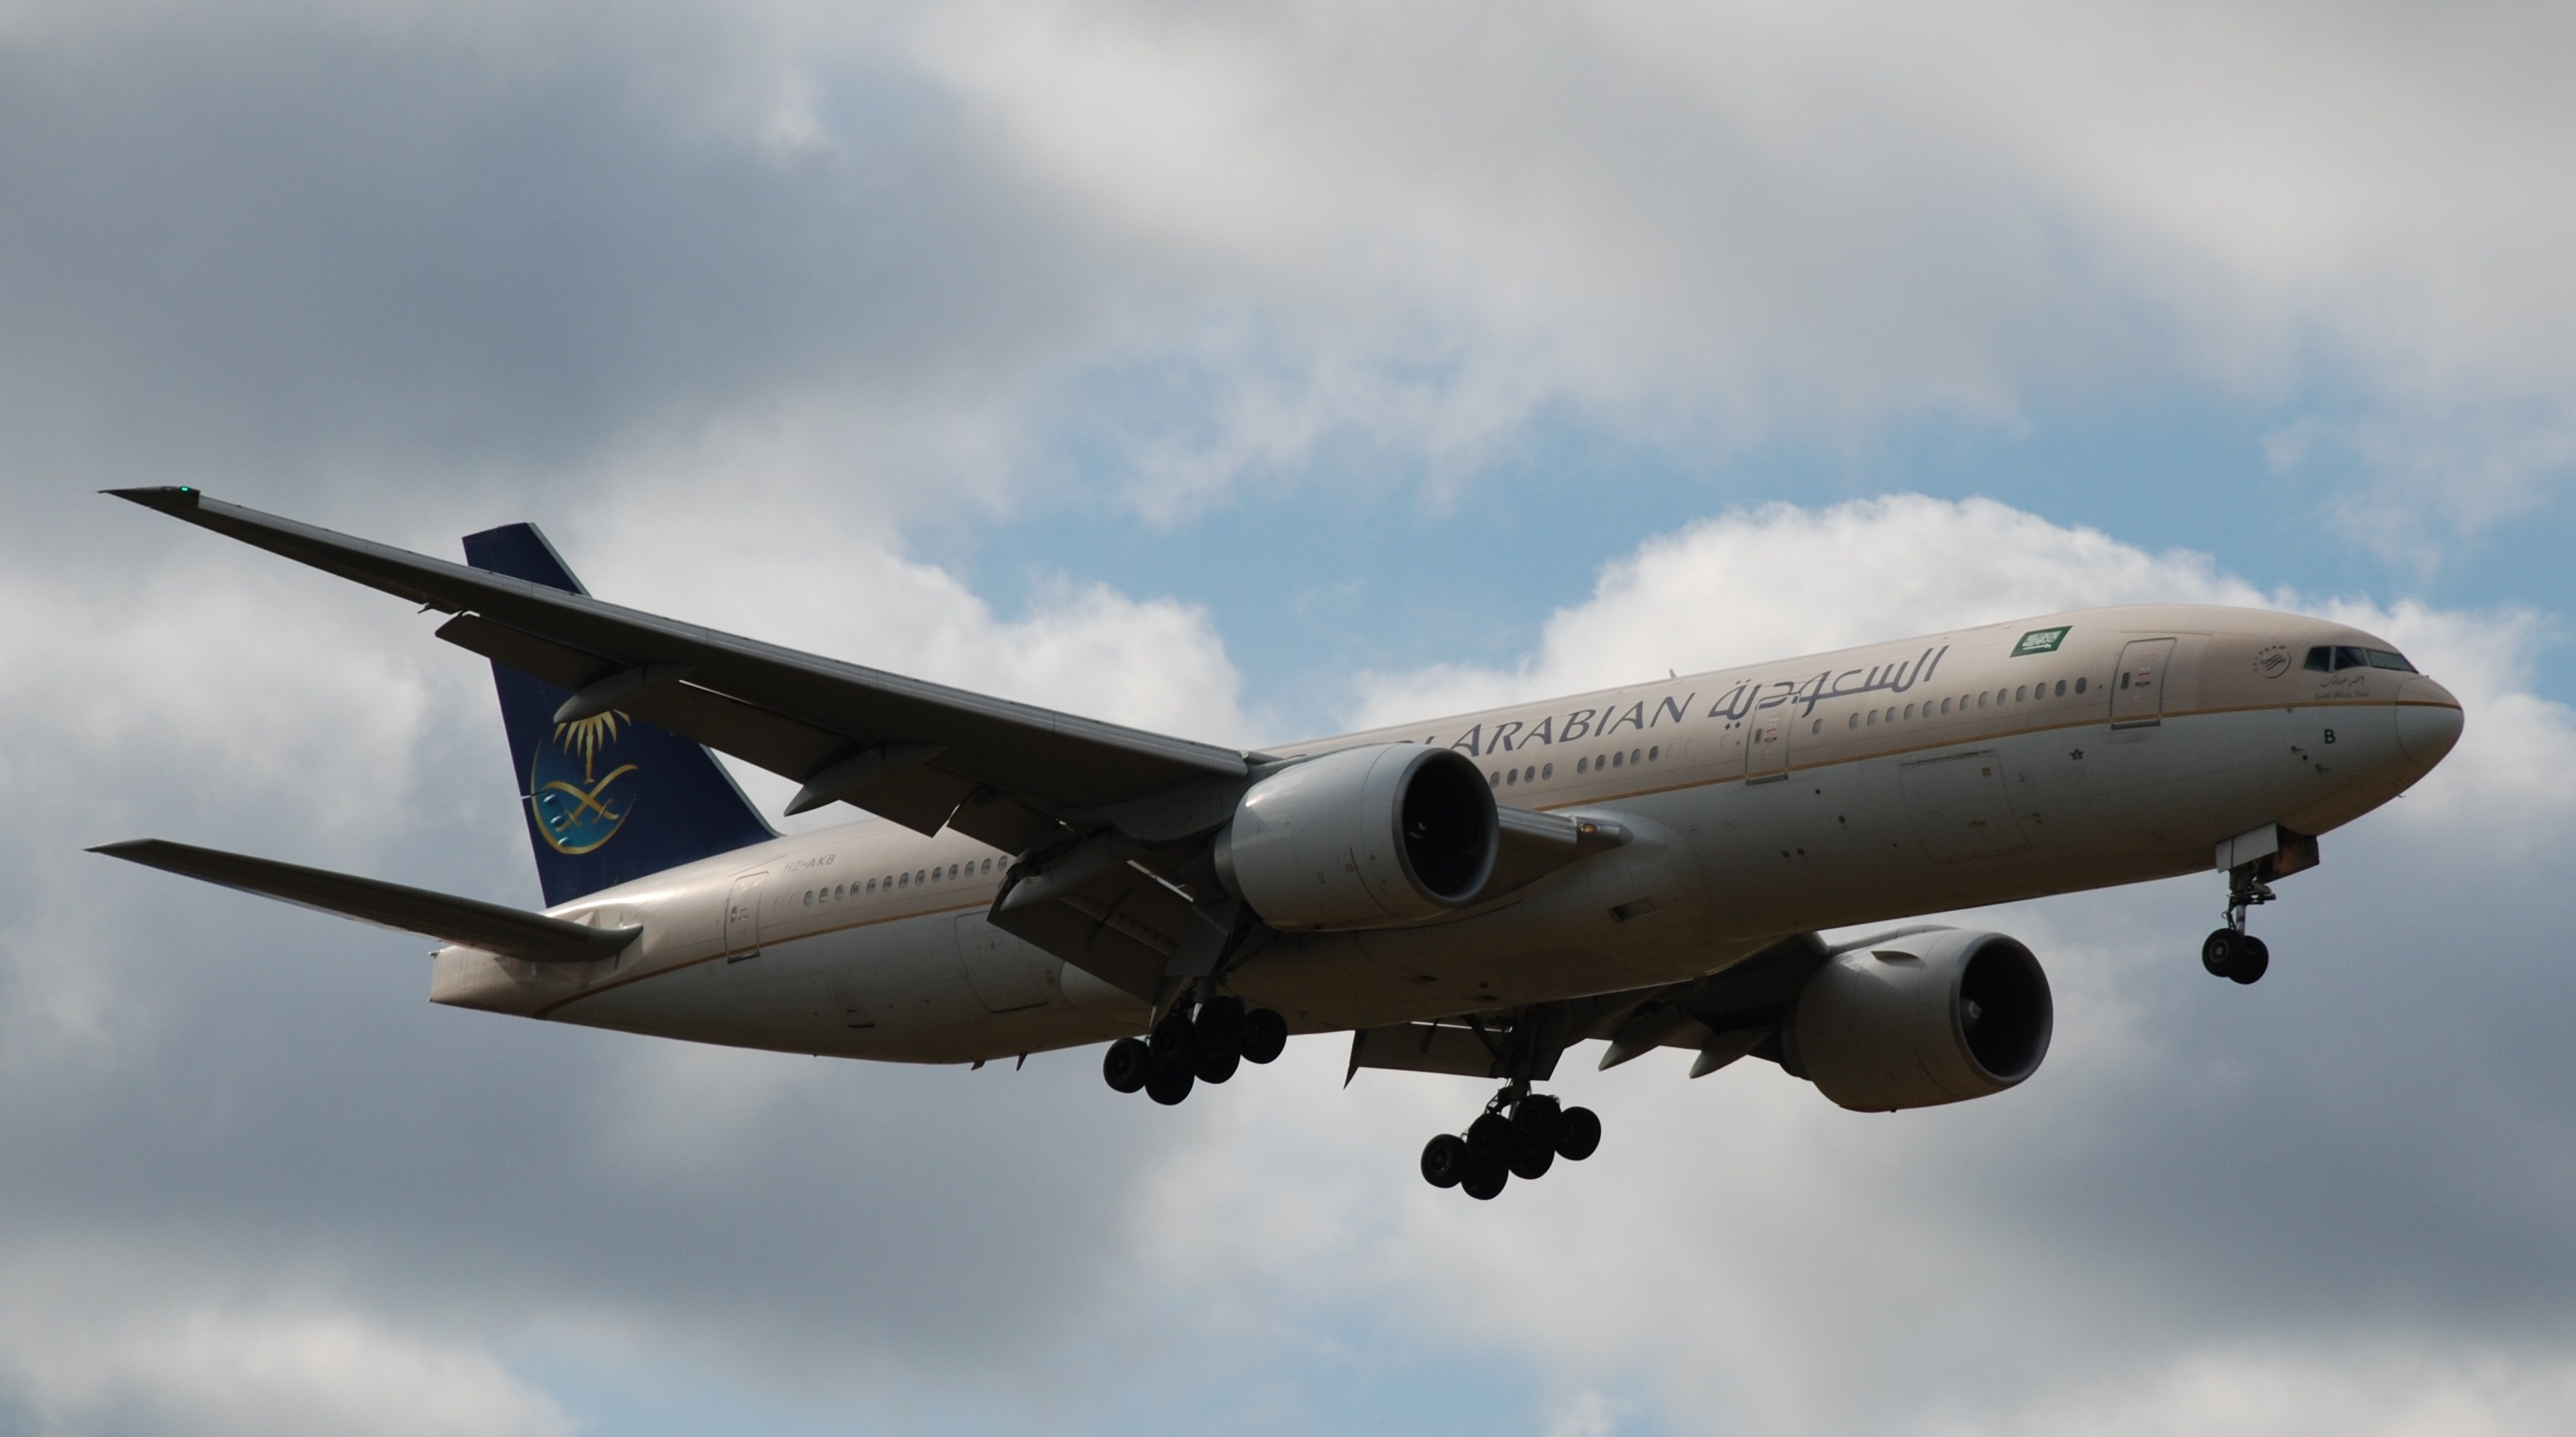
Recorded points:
(2326, 658)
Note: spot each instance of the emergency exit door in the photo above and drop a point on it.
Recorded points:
(2138, 689)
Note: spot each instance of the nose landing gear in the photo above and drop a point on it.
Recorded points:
(1520, 1135)
(2231, 952)
(1187, 1049)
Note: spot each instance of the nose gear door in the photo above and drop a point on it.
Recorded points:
(2138, 690)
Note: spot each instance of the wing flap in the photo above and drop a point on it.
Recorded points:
(510, 932)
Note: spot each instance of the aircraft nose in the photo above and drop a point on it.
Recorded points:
(2428, 720)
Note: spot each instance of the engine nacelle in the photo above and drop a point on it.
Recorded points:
(1364, 838)
(1920, 1020)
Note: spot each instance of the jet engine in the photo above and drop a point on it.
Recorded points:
(1922, 1019)
(1363, 838)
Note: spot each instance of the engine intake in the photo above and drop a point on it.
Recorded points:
(1363, 838)
(1925, 1019)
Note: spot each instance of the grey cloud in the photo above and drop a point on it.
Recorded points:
(275, 241)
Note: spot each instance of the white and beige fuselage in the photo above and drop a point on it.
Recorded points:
(1968, 768)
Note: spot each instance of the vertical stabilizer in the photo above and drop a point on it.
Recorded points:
(607, 799)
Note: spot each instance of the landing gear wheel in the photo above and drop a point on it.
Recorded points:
(1128, 1065)
(1265, 1035)
(1444, 1161)
(1217, 1067)
(1578, 1134)
(1169, 1085)
(1220, 1025)
(1175, 1039)
(1485, 1184)
(2222, 951)
(2252, 960)
(1535, 1120)
(1491, 1140)
(1531, 1164)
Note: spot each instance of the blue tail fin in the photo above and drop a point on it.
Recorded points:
(607, 799)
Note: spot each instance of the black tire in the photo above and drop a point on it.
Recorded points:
(1485, 1184)
(1579, 1135)
(1169, 1086)
(1444, 1161)
(1531, 1164)
(2221, 951)
(2253, 962)
(1535, 1121)
(1265, 1035)
(1220, 1026)
(1175, 1041)
(1492, 1141)
(1128, 1064)
(1217, 1067)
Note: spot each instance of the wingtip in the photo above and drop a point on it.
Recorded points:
(168, 498)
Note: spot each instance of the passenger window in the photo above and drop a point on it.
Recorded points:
(2383, 659)
(1817, 727)
(1614, 760)
(1945, 705)
(2021, 693)
(1855, 722)
(809, 897)
(1493, 780)
(1634, 755)
(1583, 765)
(907, 880)
(2124, 678)
(2061, 688)
(1657, 752)
(1549, 771)
(1511, 778)
(840, 890)
(872, 885)
(1909, 710)
(2321, 659)
(1873, 718)
(2348, 657)
(2079, 686)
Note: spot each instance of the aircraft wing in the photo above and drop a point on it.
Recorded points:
(920, 753)
(510, 932)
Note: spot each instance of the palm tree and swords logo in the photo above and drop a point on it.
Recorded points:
(572, 800)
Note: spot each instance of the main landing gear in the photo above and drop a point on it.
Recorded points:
(2231, 952)
(1185, 1050)
(1521, 1135)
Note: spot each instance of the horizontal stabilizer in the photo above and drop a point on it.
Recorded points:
(510, 932)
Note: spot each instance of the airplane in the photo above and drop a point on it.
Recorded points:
(1649, 866)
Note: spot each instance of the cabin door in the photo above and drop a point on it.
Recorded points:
(2138, 689)
(742, 917)
(1766, 745)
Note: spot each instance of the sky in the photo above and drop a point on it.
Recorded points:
(1253, 372)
